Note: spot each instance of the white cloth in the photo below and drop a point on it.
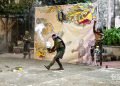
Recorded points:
(48, 44)
(39, 28)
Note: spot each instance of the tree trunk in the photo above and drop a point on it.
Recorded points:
(7, 26)
(6, 33)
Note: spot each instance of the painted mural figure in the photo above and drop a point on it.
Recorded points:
(59, 46)
(39, 28)
(90, 52)
(27, 41)
(81, 51)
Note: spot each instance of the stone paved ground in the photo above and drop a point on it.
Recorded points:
(34, 74)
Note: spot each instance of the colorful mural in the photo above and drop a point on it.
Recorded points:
(80, 14)
(71, 22)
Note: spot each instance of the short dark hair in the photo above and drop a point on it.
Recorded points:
(53, 35)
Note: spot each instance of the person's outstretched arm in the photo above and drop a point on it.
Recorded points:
(94, 26)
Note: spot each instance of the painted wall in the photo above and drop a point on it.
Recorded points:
(73, 25)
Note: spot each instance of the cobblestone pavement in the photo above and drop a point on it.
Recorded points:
(32, 73)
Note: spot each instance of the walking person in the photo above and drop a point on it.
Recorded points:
(59, 46)
(27, 41)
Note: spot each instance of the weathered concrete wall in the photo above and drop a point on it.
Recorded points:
(105, 12)
(117, 13)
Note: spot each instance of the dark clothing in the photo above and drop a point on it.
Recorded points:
(59, 46)
(92, 51)
(27, 38)
(57, 58)
(27, 47)
(27, 41)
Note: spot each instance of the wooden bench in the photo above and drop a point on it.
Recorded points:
(17, 49)
(107, 56)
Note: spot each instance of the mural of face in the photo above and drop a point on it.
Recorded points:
(43, 28)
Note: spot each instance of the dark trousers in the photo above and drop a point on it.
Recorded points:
(26, 49)
(57, 58)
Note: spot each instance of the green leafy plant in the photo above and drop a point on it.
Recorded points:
(111, 37)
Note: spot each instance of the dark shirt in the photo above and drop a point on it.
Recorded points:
(58, 44)
(27, 38)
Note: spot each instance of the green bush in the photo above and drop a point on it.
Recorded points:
(111, 37)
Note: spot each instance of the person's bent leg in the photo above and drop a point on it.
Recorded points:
(51, 64)
(60, 64)
(25, 50)
(29, 54)
(24, 55)
(28, 50)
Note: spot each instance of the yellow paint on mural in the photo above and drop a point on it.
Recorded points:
(80, 13)
(89, 17)
(53, 8)
(40, 52)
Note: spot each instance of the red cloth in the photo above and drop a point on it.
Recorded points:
(86, 21)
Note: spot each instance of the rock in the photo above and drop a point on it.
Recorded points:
(7, 66)
(0, 70)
